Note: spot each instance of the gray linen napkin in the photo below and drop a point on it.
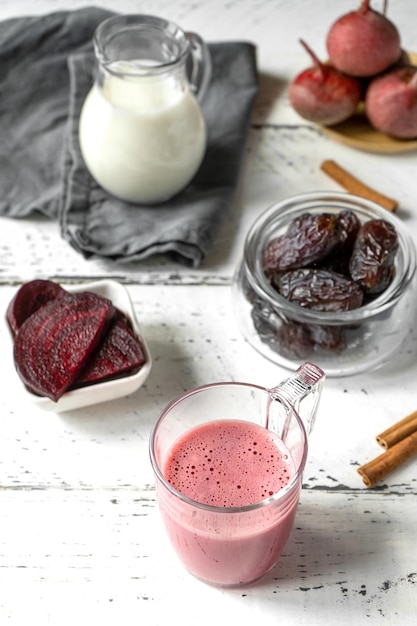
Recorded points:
(46, 70)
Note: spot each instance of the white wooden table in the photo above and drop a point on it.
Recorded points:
(80, 536)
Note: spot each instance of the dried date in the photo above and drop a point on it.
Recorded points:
(330, 338)
(294, 339)
(297, 339)
(301, 339)
(372, 261)
(319, 289)
(347, 226)
(309, 240)
(325, 262)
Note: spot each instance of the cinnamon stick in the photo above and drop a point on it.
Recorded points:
(388, 461)
(355, 186)
(398, 431)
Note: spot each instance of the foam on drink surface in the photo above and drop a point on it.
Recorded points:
(229, 463)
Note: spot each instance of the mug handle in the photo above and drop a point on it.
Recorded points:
(199, 67)
(302, 391)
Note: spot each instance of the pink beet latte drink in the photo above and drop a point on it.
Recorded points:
(228, 464)
(228, 488)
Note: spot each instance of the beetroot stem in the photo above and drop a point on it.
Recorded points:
(315, 58)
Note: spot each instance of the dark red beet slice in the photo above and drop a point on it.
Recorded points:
(29, 298)
(119, 353)
(55, 342)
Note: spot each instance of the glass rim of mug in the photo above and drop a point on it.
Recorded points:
(128, 22)
(278, 495)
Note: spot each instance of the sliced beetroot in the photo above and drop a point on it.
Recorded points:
(55, 342)
(119, 353)
(29, 298)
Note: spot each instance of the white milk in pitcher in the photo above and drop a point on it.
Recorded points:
(142, 138)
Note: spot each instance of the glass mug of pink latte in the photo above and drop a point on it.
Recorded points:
(228, 460)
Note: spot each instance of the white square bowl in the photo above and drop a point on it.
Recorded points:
(111, 389)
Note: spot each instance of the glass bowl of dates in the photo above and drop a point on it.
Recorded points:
(76, 346)
(327, 277)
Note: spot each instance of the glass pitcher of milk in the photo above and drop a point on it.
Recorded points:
(142, 134)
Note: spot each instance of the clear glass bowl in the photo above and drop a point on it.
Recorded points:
(275, 327)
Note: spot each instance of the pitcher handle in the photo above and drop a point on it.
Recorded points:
(302, 390)
(199, 65)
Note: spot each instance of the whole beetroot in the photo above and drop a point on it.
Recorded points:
(322, 94)
(363, 42)
(391, 103)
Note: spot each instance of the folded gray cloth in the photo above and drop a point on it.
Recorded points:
(46, 70)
